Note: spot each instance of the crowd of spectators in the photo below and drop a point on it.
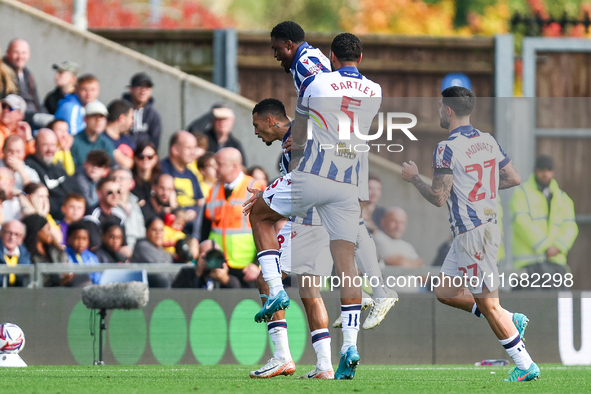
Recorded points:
(81, 181)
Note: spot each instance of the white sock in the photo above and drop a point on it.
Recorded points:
(516, 349)
(350, 315)
(321, 344)
(367, 258)
(269, 261)
(278, 332)
(477, 312)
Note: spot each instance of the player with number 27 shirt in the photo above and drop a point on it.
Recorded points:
(469, 169)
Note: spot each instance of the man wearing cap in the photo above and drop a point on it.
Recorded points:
(544, 227)
(71, 107)
(92, 136)
(146, 120)
(17, 56)
(12, 121)
(219, 133)
(65, 83)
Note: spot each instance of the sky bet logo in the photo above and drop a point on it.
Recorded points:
(351, 140)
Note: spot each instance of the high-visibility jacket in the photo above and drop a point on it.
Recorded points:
(535, 229)
(229, 227)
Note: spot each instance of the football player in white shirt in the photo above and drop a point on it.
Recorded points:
(470, 168)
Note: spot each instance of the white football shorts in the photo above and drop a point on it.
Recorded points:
(474, 254)
(336, 203)
(305, 250)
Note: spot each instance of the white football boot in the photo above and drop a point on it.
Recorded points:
(274, 367)
(378, 311)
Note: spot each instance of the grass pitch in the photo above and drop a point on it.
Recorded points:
(234, 378)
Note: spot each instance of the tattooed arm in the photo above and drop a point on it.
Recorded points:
(509, 177)
(437, 193)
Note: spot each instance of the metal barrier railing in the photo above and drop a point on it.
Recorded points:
(36, 271)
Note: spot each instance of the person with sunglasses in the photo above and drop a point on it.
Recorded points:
(12, 121)
(146, 168)
(107, 210)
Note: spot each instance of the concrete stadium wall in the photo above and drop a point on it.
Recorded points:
(186, 326)
(179, 97)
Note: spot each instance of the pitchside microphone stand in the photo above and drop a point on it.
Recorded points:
(122, 295)
(102, 328)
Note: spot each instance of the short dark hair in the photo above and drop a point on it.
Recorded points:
(108, 225)
(346, 47)
(103, 181)
(74, 196)
(56, 120)
(31, 188)
(202, 161)
(288, 31)
(117, 108)
(76, 226)
(270, 106)
(86, 78)
(460, 99)
(98, 158)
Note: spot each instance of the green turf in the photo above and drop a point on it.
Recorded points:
(224, 378)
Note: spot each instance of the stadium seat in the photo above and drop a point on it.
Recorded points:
(118, 276)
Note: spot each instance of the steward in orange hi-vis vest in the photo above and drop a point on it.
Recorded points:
(229, 227)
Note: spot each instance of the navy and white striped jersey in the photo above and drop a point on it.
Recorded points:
(308, 61)
(328, 98)
(474, 158)
(312, 218)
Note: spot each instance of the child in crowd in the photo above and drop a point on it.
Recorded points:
(173, 230)
(208, 170)
(77, 248)
(96, 167)
(73, 208)
(65, 140)
(111, 242)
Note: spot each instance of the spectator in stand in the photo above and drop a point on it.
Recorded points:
(544, 226)
(14, 252)
(149, 250)
(373, 213)
(35, 200)
(43, 249)
(146, 120)
(11, 121)
(134, 222)
(392, 249)
(73, 209)
(14, 156)
(220, 131)
(145, 170)
(92, 137)
(208, 168)
(200, 150)
(107, 210)
(66, 74)
(258, 173)
(112, 240)
(162, 200)
(96, 166)
(63, 156)
(173, 230)
(181, 153)
(224, 214)
(7, 80)
(53, 176)
(17, 56)
(78, 253)
(11, 206)
(119, 121)
(71, 107)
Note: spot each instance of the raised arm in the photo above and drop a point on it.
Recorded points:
(509, 177)
(437, 193)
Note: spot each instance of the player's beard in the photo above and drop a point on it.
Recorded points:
(269, 143)
(444, 123)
